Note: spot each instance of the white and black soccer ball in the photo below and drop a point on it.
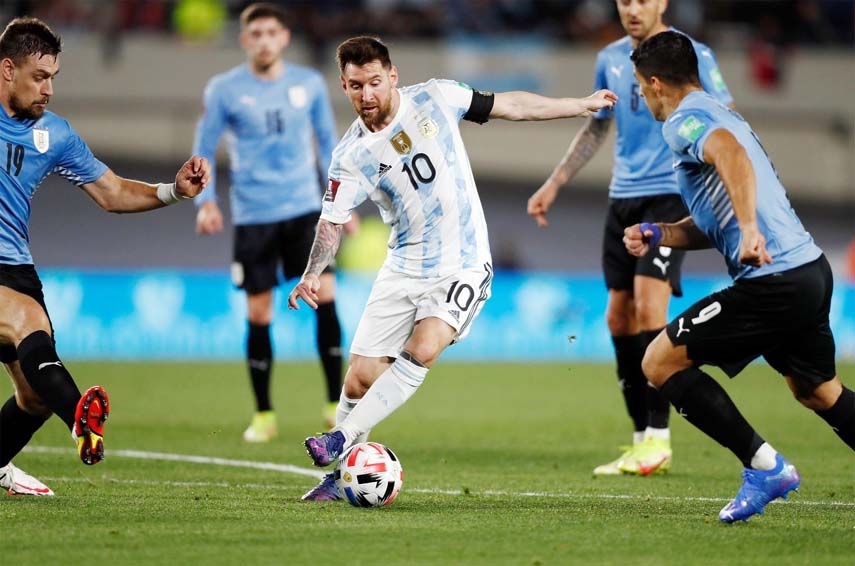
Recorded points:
(369, 475)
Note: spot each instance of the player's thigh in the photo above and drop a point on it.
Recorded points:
(255, 257)
(387, 319)
(727, 329)
(806, 350)
(457, 299)
(663, 263)
(22, 308)
(618, 264)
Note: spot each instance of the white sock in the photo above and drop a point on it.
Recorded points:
(345, 406)
(390, 391)
(764, 458)
(637, 437)
(660, 433)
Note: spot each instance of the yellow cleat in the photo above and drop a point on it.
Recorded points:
(651, 456)
(614, 468)
(262, 428)
(328, 413)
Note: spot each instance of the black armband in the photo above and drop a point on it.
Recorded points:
(480, 108)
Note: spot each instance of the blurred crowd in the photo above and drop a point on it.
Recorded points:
(779, 23)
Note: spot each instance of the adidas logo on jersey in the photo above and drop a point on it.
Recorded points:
(384, 169)
(455, 314)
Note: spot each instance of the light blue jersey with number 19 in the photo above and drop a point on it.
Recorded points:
(33, 150)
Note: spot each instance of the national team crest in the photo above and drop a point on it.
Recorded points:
(298, 96)
(428, 128)
(402, 143)
(41, 139)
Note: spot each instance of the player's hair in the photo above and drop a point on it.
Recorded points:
(668, 55)
(362, 50)
(263, 10)
(28, 36)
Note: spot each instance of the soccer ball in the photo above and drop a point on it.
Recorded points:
(369, 475)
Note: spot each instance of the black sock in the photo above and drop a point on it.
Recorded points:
(47, 376)
(329, 347)
(16, 429)
(841, 417)
(703, 402)
(259, 353)
(628, 353)
(658, 408)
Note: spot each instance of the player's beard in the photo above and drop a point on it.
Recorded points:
(26, 112)
(380, 116)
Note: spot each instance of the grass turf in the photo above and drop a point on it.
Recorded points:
(497, 462)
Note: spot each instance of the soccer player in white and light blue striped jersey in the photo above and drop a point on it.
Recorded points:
(38, 143)
(404, 152)
(280, 134)
(642, 187)
(778, 305)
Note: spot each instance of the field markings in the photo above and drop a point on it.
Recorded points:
(297, 470)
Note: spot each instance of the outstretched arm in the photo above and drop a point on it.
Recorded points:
(684, 235)
(584, 145)
(324, 248)
(117, 194)
(520, 105)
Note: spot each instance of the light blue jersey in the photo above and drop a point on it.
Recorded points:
(34, 149)
(686, 131)
(416, 170)
(271, 128)
(642, 161)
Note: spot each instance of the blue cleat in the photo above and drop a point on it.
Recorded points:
(759, 487)
(325, 448)
(327, 490)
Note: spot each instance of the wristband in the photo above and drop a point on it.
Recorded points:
(653, 240)
(167, 195)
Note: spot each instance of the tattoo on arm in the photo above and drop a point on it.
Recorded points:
(582, 148)
(325, 246)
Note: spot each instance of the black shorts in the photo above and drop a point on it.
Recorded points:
(25, 280)
(619, 266)
(260, 248)
(782, 317)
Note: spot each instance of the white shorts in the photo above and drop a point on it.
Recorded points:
(398, 301)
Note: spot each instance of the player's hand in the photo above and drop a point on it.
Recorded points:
(306, 289)
(752, 248)
(636, 241)
(209, 219)
(193, 176)
(540, 202)
(603, 98)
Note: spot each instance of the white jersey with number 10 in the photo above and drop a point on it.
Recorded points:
(417, 172)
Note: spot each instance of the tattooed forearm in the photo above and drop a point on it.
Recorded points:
(325, 246)
(582, 148)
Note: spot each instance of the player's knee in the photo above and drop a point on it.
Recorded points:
(620, 323)
(28, 319)
(361, 374)
(421, 353)
(655, 364)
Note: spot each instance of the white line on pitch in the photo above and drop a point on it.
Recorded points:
(289, 469)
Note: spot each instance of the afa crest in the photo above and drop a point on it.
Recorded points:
(428, 128)
(41, 139)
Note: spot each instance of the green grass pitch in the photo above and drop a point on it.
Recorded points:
(497, 465)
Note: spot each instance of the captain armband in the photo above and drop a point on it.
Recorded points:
(480, 107)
